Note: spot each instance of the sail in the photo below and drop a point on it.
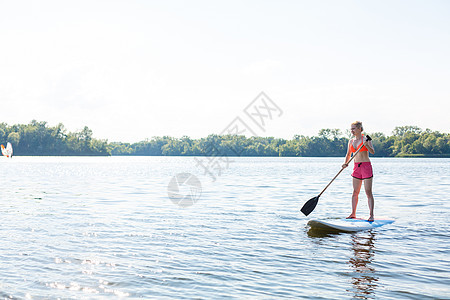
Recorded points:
(8, 150)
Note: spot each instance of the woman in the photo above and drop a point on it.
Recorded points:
(362, 170)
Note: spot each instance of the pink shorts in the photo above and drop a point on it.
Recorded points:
(362, 170)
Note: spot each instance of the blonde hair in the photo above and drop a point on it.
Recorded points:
(358, 124)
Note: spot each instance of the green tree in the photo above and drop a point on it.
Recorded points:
(2, 135)
(14, 138)
(400, 131)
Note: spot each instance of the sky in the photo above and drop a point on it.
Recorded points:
(131, 70)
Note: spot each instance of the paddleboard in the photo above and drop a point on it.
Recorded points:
(347, 225)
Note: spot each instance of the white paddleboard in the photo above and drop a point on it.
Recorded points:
(347, 225)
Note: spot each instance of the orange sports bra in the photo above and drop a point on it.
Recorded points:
(352, 149)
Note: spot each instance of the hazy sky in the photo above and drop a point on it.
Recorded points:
(131, 70)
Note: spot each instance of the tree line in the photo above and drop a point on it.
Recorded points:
(404, 141)
(37, 138)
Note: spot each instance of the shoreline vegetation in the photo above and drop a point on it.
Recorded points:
(39, 139)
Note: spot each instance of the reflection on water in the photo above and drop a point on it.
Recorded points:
(364, 279)
(317, 233)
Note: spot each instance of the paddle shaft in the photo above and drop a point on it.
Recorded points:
(342, 169)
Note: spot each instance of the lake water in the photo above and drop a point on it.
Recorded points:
(99, 227)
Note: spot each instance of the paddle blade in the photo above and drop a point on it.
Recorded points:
(309, 206)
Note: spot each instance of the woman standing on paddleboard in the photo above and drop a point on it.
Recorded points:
(362, 170)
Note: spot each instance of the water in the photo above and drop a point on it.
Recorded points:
(102, 227)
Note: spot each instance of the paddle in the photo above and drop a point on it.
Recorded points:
(309, 206)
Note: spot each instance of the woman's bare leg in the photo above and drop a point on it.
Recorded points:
(356, 188)
(371, 201)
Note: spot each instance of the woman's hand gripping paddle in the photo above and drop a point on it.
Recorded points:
(309, 206)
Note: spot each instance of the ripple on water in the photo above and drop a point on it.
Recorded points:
(101, 228)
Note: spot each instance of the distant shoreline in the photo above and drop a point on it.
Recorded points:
(136, 155)
(38, 139)
(423, 156)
